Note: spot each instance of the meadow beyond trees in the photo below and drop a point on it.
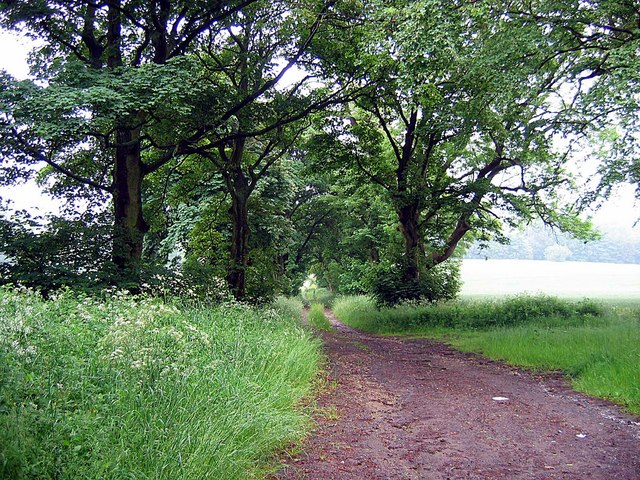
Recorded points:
(238, 146)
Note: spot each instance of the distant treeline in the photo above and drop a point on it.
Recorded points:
(539, 243)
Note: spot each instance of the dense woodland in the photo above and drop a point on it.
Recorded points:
(212, 147)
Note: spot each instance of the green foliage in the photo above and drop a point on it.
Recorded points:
(47, 254)
(263, 283)
(319, 295)
(349, 276)
(130, 387)
(317, 318)
(390, 286)
(312, 294)
(75, 252)
(190, 281)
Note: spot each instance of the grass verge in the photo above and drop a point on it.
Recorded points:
(317, 318)
(133, 388)
(598, 347)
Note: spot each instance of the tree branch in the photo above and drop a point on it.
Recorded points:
(39, 156)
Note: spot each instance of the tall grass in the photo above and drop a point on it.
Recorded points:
(597, 346)
(361, 313)
(133, 388)
(317, 318)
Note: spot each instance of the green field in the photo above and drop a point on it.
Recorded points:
(562, 279)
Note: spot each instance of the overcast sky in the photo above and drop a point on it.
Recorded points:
(13, 59)
(619, 213)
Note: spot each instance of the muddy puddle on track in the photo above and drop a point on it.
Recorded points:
(416, 409)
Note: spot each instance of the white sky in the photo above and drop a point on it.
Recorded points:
(620, 213)
(28, 196)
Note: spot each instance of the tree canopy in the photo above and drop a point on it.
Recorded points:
(256, 141)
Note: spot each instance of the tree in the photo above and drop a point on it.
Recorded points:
(612, 101)
(557, 253)
(116, 99)
(604, 42)
(248, 56)
(459, 127)
(49, 253)
(435, 117)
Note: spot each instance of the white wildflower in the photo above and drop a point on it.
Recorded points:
(121, 322)
(137, 364)
(177, 335)
(116, 354)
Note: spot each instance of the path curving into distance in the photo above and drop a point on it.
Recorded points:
(417, 409)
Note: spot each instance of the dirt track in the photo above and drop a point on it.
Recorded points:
(416, 409)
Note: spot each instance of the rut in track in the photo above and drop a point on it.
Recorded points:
(416, 409)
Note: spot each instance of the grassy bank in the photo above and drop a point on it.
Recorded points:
(361, 313)
(597, 346)
(133, 388)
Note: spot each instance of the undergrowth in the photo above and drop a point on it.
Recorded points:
(134, 388)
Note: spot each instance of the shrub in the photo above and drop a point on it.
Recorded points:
(389, 285)
(49, 253)
(191, 281)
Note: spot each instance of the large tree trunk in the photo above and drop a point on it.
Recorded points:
(129, 224)
(282, 260)
(239, 212)
(408, 209)
(409, 216)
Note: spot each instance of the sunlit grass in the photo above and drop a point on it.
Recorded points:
(133, 388)
(603, 361)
